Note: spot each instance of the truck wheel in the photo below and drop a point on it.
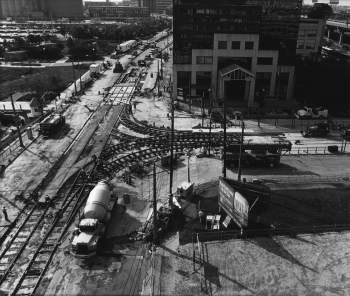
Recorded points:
(303, 117)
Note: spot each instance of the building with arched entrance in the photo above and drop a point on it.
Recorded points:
(243, 52)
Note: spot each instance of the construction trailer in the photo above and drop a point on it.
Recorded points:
(185, 189)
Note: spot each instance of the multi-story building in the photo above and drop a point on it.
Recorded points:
(242, 52)
(118, 12)
(162, 5)
(135, 3)
(88, 4)
(151, 4)
(310, 36)
(41, 9)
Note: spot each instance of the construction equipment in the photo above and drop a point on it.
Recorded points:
(51, 124)
(306, 113)
(92, 227)
(252, 154)
(320, 129)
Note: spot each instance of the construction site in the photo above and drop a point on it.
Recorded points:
(128, 193)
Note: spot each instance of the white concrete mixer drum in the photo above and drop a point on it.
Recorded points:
(98, 201)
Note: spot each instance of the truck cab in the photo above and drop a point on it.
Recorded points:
(312, 113)
(87, 238)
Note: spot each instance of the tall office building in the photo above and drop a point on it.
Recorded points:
(162, 5)
(41, 9)
(241, 50)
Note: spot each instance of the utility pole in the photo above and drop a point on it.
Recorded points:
(16, 122)
(188, 168)
(81, 85)
(209, 133)
(38, 84)
(189, 93)
(75, 85)
(203, 110)
(172, 154)
(155, 226)
(224, 165)
(240, 153)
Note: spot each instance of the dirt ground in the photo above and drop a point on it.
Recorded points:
(304, 265)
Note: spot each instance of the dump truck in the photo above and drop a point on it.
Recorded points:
(307, 113)
(51, 124)
(320, 129)
(87, 237)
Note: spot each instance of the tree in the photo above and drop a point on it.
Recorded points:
(81, 51)
(70, 42)
(34, 39)
(320, 11)
(60, 46)
(166, 56)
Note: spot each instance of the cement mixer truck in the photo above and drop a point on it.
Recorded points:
(86, 241)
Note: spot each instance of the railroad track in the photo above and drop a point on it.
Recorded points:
(26, 252)
(40, 227)
(181, 142)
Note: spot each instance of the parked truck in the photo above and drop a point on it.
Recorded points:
(320, 129)
(268, 154)
(253, 157)
(306, 113)
(87, 237)
(51, 124)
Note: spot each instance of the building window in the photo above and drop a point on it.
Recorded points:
(281, 85)
(311, 33)
(249, 45)
(222, 45)
(302, 32)
(183, 79)
(204, 60)
(310, 44)
(236, 45)
(265, 61)
(203, 80)
(262, 85)
(35, 109)
(300, 44)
